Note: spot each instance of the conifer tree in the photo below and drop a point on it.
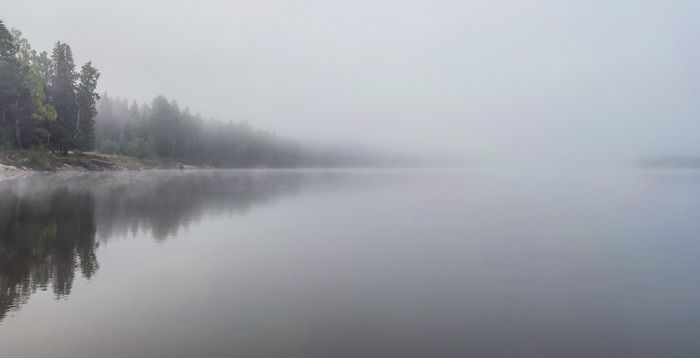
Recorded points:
(87, 98)
(62, 96)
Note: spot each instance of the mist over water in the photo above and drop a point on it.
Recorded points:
(350, 263)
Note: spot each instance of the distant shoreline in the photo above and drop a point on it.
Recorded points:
(671, 161)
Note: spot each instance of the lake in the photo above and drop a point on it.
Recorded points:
(351, 263)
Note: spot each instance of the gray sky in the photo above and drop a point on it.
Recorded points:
(504, 80)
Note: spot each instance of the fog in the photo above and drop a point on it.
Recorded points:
(516, 82)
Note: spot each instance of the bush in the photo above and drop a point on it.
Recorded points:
(40, 159)
(138, 148)
(108, 147)
(5, 142)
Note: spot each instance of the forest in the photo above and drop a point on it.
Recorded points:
(163, 130)
(46, 103)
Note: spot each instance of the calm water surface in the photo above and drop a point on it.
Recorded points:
(343, 263)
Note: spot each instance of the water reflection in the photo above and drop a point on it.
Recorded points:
(161, 204)
(43, 242)
(51, 225)
(358, 264)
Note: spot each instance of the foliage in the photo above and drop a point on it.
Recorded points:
(62, 95)
(138, 148)
(42, 104)
(86, 107)
(38, 159)
(15, 95)
(108, 147)
(161, 129)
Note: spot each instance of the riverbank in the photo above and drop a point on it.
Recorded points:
(13, 161)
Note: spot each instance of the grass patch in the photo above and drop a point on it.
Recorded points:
(34, 159)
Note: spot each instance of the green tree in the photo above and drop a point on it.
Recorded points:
(87, 98)
(42, 113)
(163, 123)
(14, 89)
(62, 96)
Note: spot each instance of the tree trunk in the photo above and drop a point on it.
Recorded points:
(77, 137)
(2, 106)
(77, 125)
(17, 117)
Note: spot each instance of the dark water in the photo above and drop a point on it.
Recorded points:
(351, 264)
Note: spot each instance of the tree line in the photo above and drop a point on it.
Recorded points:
(44, 100)
(161, 129)
(46, 103)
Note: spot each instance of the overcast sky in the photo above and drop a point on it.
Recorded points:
(503, 80)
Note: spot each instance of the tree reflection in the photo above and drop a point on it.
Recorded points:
(49, 224)
(43, 240)
(163, 203)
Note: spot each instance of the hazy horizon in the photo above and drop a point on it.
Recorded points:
(507, 82)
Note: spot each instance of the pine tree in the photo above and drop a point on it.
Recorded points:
(87, 98)
(62, 96)
(38, 114)
(15, 95)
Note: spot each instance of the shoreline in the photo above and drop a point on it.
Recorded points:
(33, 161)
